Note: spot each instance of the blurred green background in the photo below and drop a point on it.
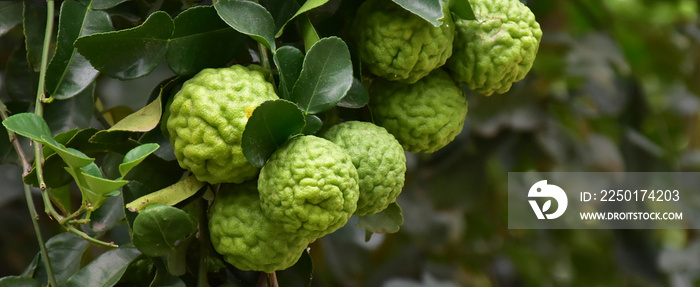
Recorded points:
(614, 88)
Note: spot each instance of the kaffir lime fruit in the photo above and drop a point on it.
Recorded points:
(247, 239)
(398, 45)
(207, 118)
(309, 186)
(379, 159)
(498, 48)
(425, 116)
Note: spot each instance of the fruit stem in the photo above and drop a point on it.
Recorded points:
(203, 244)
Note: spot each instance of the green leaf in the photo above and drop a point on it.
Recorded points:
(356, 97)
(159, 227)
(281, 10)
(20, 81)
(289, 61)
(72, 157)
(175, 260)
(171, 195)
(102, 186)
(105, 270)
(69, 72)
(388, 220)
(7, 151)
(462, 9)
(28, 125)
(308, 33)
(130, 53)
(18, 281)
(248, 18)
(300, 274)
(165, 279)
(73, 113)
(65, 252)
(325, 78)
(313, 124)
(430, 10)
(33, 25)
(10, 15)
(308, 5)
(61, 196)
(142, 120)
(105, 4)
(271, 124)
(136, 156)
(109, 215)
(201, 40)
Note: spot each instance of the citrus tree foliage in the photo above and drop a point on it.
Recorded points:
(86, 89)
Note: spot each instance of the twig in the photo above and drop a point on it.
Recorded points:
(91, 239)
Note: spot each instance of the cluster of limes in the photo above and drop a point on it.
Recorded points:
(311, 185)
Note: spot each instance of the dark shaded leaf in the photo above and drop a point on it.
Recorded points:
(313, 124)
(72, 113)
(10, 15)
(33, 26)
(201, 40)
(175, 260)
(430, 10)
(20, 81)
(271, 124)
(356, 97)
(131, 53)
(289, 61)
(463, 9)
(106, 217)
(299, 274)
(165, 279)
(159, 227)
(388, 220)
(106, 4)
(281, 10)
(65, 252)
(248, 18)
(105, 270)
(308, 5)
(325, 78)
(69, 72)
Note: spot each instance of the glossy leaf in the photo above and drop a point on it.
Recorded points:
(109, 215)
(325, 77)
(281, 10)
(72, 113)
(159, 227)
(10, 15)
(462, 9)
(430, 10)
(68, 72)
(308, 5)
(19, 281)
(20, 81)
(249, 18)
(388, 220)
(34, 24)
(201, 40)
(313, 125)
(72, 157)
(106, 4)
(170, 195)
(105, 270)
(130, 53)
(142, 120)
(356, 97)
(27, 125)
(65, 252)
(308, 32)
(271, 124)
(289, 61)
(136, 156)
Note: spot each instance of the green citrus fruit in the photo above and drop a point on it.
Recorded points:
(424, 116)
(247, 239)
(309, 186)
(498, 48)
(207, 118)
(398, 45)
(379, 159)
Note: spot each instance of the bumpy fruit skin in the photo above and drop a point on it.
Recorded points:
(207, 119)
(309, 186)
(379, 159)
(497, 49)
(398, 45)
(425, 116)
(248, 240)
